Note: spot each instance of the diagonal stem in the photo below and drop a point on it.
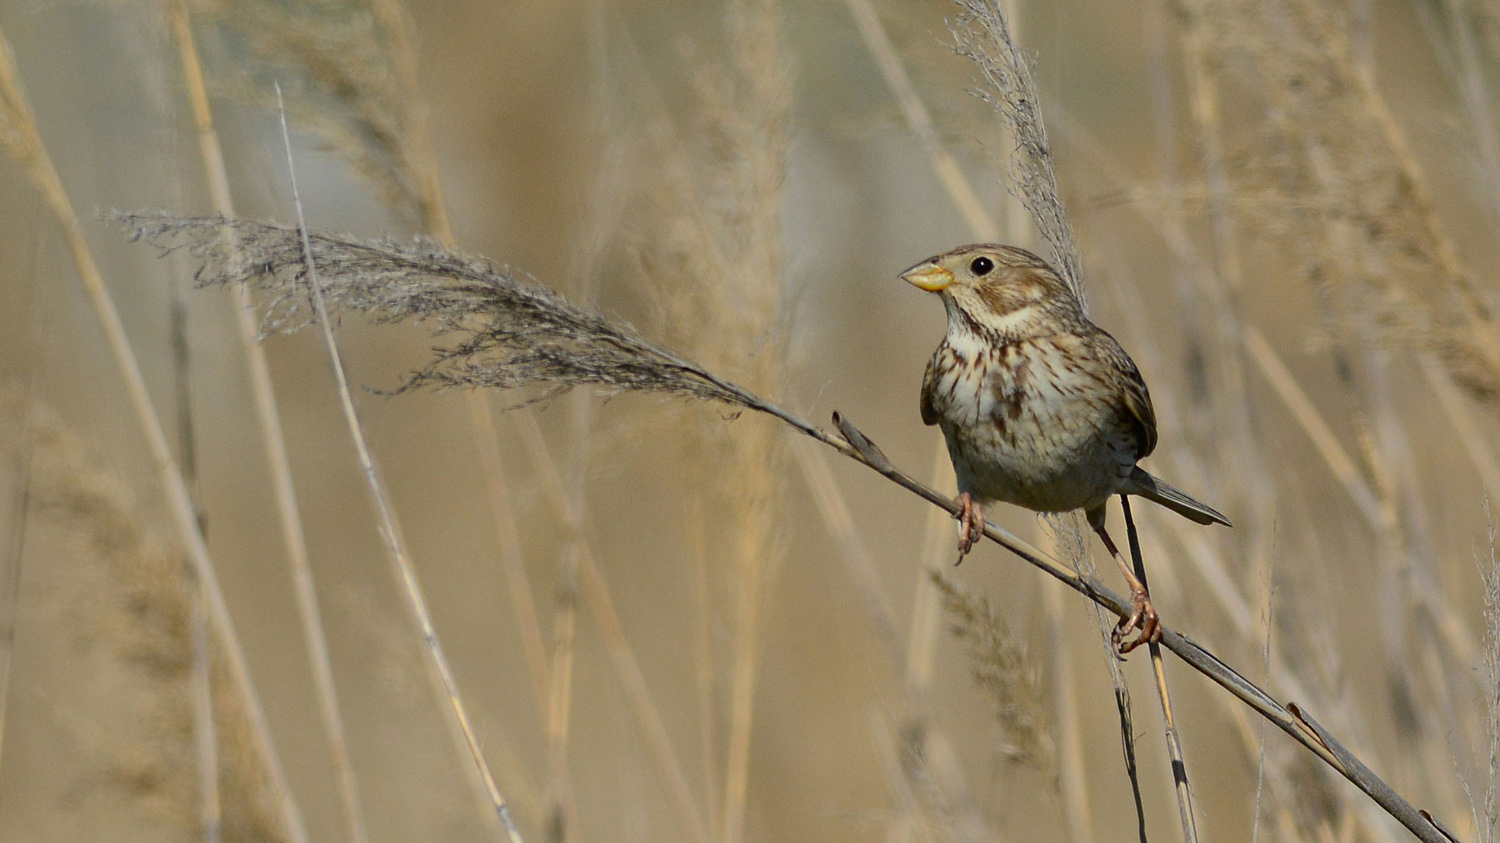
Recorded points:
(1289, 718)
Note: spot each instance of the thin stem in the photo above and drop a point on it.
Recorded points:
(389, 531)
(858, 562)
(512, 560)
(596, 594)
(560, 698)
(927, 613)
(742, 678)
(1127, 743)
(703, 651)
(888, 753)
(205, 729)
(1475, 442)
(1174, 740)
(920, 120)
(558, 704)
(1260, 755)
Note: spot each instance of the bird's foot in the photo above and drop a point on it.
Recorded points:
(1142, 617)
(970, 524)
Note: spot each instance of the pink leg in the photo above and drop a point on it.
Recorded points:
(970, 524)
(1142, 615)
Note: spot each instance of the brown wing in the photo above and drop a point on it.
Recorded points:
(1135, 398)
(929, 385)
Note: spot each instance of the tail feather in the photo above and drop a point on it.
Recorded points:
(1144, 484)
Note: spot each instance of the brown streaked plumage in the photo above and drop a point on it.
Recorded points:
(1040, 407)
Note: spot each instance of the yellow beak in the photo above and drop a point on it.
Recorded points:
(928, 276)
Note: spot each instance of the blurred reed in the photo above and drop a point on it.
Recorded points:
(22, 139)
(268, 416)
(142, 595)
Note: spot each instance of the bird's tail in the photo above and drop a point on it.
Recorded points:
(1144, 484)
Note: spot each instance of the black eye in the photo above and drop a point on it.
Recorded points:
(981, 265)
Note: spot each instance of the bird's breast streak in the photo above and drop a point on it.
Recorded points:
(1021, 423)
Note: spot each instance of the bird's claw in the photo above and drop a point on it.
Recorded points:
(970, 524)
(1142, 617)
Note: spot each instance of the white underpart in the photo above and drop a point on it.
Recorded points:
(978, 401)
(965, 343)
(1015, 319)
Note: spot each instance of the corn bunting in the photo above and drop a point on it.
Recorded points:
(1040, 407)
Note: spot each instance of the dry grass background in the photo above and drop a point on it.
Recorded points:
(667, 622)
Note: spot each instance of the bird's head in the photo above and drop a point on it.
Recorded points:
(997, 292)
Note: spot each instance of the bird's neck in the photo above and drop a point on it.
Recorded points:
(1026, 320)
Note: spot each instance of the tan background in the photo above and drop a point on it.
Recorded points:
(542, 116)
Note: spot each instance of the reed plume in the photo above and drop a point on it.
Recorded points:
(510, 332)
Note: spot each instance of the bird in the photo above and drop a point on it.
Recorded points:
(1039, 406)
